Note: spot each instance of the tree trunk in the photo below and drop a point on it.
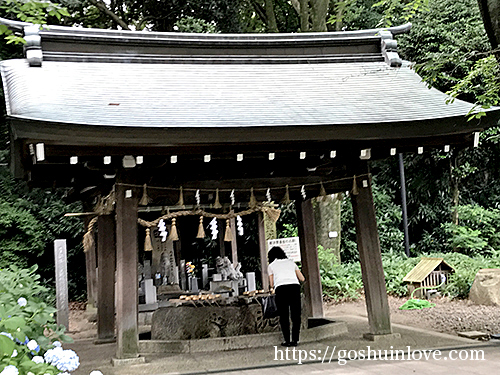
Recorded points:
(101, 5)
(490, 11)
(319, 10)
(304, 15)
(455, 191)
(272, 26)
(327, 219)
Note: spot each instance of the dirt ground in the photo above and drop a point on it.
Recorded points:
(448, 316)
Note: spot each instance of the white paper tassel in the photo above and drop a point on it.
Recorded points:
(232, 197)
(197, 196)
(162, 229)
(239, 225)
(303, 192)
(213, 228)
(268, 195)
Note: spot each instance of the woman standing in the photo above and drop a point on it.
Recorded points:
(284, 276)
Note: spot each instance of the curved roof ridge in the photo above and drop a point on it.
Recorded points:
(395, 30)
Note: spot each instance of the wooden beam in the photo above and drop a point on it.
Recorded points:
(106, 260)
(377, 305)
(263, 251)
(309, 259)
(126, 275)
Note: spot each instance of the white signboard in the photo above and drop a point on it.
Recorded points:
(290, 246)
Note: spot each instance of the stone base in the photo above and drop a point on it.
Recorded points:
(322, 332)
(104, 341)
(91, 314)
(127, 361)
(191, 322)
(388, 337)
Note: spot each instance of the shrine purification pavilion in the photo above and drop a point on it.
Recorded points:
(252, 115)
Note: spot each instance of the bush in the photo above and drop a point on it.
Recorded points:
(339, 281)
(466, 268)
(28, 332)
(388, 221)
(343, 281)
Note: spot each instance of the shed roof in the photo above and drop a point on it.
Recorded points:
(423, 269)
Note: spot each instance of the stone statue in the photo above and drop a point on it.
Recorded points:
(226, 269)
(166, 269)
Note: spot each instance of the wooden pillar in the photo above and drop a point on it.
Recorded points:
(368, 241)
(106, 259)
(309, 258)
(126, 272)
(221, 225)
(263, 251)
(91, 272)
(234, 243)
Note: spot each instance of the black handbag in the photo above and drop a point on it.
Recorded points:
(269, 309)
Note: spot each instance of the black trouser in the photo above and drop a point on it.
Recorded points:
(288, 303)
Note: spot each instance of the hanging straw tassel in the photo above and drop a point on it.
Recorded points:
(145, 200)
(173, 231)
(217, 203)
(228, 236)
(201, 230)
(88, 237)
(181, 198)
(286, 198)
(322, 191)
(148, 246)
(253, 201)
(354, 190)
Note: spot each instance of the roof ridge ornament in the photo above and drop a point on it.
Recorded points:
(33, 47)
(389, 49)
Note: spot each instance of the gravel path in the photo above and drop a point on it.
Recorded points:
(449, 316)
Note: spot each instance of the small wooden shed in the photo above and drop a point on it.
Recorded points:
(427, 273)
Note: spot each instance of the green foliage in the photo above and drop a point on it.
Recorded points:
(354, 15)
(343, 281)
(20, 233)
(195, 25)
(478, 231)
(286, 226)
(30, 220)
(289, 230)
(388, 222)
(24, 316)
(445, 43)
(482, 82)
(339, 281)
(32, 11)
(400, 11)
(466, 269)
(396, 267)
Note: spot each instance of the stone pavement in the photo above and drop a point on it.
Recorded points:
(322, 357)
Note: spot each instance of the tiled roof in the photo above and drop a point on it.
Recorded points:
(221, 95)
(183, 81)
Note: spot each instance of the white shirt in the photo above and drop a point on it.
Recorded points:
(283, 271)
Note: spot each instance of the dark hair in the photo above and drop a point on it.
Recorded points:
(276, 252)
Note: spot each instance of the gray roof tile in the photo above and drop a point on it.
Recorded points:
(220, 95)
